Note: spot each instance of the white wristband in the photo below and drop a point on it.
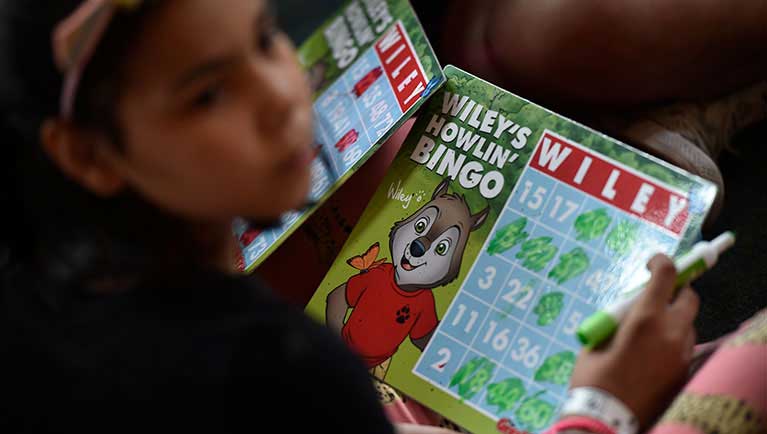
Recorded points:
(600, 405)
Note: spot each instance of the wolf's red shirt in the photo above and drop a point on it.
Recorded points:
(384, 315)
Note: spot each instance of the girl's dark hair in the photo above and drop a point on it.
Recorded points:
(50, 224)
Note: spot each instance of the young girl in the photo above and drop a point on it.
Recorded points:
(130, 143)
(133, 133)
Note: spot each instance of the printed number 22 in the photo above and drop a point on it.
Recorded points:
(525, 292)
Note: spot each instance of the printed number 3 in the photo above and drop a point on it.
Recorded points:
(487, 282)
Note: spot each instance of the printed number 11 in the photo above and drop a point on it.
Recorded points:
(472, 318)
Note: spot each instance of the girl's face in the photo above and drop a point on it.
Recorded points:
(215, 113)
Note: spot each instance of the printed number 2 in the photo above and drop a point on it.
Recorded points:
(440, 364)
(487, 282)
(529, 356)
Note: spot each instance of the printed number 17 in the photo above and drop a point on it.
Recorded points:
(570, 208)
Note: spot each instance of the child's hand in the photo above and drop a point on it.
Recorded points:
(648, 357)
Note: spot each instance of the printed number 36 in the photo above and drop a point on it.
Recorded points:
(526, 354)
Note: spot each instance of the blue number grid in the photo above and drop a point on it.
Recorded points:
(492, 291)
(360, 116)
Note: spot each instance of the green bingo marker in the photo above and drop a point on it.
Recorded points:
(600, 326)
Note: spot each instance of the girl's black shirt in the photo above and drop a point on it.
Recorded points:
(215, 354)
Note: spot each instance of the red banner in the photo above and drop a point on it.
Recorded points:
(402, 66)
(612, 182)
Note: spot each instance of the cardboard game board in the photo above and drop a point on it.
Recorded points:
(499, 227)
(371, 67)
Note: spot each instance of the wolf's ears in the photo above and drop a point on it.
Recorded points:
(441, 189)
(479, 218)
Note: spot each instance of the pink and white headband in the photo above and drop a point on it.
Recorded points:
(75, 39)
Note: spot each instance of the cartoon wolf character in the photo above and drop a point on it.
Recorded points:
(392, 301)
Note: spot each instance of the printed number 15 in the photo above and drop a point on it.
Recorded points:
(537, 196)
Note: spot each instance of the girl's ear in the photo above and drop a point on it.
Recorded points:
(86, 157)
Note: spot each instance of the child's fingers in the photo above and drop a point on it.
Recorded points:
(681, 316)
(689, 346)
(660, 288)
(685, 308)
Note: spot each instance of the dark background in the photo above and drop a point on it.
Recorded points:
(300, 17)
(734, 290)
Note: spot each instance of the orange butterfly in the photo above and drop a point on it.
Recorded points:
(368, 260)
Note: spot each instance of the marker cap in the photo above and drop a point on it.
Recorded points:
(723, 242)
(596, 329)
